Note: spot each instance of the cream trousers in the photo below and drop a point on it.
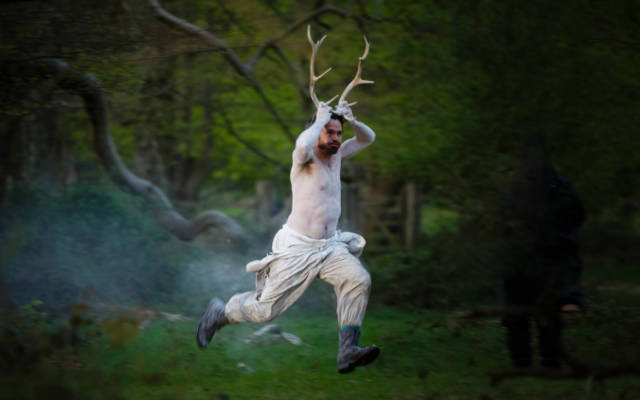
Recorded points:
(296, 260)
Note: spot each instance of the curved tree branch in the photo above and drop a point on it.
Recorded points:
(301, 86)
(240, 67)
(245, 69)
(207, 37)
(86, 86)
(326, 9)
(231, 130)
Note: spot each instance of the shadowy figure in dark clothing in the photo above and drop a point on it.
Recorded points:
(543, 214)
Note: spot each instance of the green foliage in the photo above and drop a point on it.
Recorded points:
(437, 275)
(413, 278)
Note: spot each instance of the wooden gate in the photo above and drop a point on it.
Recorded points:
(388, 216)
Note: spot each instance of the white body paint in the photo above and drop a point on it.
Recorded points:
(315, 178)
(308, 246)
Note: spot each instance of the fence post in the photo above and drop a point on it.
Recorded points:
(264, 200)
(412, 215)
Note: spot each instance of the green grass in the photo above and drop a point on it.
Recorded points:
(422, 358)
(629, 274)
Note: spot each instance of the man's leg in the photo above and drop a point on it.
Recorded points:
(519, 339)
(278, 287)
(518, 292)
(550, 339)
(285, 282)
(214, 318)
(352, 284)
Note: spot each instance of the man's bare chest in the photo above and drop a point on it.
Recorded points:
(323, 179)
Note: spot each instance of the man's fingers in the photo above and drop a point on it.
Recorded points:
(324, 106)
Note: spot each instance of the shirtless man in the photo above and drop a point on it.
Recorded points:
(309, 245)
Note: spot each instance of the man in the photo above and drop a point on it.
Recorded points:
(309, 245)
(544, 214)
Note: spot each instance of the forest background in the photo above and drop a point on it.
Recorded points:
(123, 122)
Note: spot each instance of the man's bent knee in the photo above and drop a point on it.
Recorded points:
(242, 308)
(364, 279)
(264, 313)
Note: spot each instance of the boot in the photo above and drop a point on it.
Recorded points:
(212, 320)
(350, 355)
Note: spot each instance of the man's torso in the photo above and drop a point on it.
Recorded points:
(315, 190)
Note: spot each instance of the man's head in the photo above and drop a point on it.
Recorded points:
(331, 136)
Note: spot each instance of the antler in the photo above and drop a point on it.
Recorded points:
(357, 80)
(312, 75)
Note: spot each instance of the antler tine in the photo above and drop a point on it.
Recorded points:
(357, 80)
(312, 75)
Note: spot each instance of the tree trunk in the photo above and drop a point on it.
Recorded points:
(85, 86)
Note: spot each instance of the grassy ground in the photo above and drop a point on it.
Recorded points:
(422, 358)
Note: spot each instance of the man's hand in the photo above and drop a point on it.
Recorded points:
(570, 308)
(344, 110)
(323, 115)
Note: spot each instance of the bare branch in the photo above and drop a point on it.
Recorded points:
(250, 146)
(89, 90)
(228, 53)
(246, 69)
(326, 9)
(207, 37)
(295, 72)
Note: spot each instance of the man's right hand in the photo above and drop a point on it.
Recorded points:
(323, 115)
(570, 308)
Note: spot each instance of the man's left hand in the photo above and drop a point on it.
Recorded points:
(344, 110)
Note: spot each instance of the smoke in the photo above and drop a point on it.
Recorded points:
(98, 246)
(209, 275)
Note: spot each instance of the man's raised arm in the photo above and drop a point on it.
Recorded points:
(364, 135)
(309, 137)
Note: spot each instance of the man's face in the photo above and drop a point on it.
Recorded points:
(331, 137)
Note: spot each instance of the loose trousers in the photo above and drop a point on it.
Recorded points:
(296, 260)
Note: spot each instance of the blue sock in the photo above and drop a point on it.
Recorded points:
(357, 328)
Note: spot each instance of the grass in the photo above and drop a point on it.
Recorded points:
(422, 358)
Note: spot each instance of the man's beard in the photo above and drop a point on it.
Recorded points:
(328, 150)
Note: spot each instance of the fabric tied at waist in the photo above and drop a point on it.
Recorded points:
(289, 245)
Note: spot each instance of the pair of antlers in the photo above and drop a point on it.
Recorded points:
(313, 78)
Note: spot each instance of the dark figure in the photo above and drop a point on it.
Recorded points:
(543, 215)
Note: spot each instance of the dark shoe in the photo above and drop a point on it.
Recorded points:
(212, 320)
(350, 355)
